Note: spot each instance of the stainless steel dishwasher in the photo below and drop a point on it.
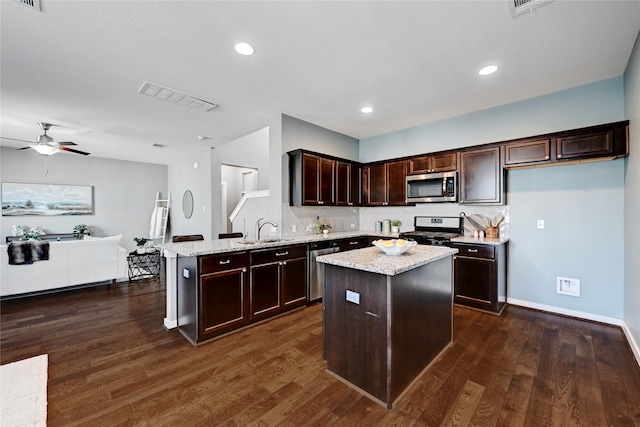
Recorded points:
(316, 269)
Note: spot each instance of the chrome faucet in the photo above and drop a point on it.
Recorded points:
(259, 226)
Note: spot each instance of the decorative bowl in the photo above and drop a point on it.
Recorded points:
(394, 247)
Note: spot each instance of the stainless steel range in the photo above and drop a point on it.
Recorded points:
(434, 230)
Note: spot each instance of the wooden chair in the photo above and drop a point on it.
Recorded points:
(187, 238)
(229, 235)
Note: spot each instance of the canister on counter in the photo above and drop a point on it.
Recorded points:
(386, 226)
(378, 225)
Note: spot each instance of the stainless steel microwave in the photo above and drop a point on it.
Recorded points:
(432, 187)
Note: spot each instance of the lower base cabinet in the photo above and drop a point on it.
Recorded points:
(278, 280)
(220, 293)
(480, 276)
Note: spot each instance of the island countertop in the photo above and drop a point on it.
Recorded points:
(375, 261)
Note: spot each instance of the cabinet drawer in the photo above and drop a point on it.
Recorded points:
(213, 263)
(355, 243)
(475, 251)
(265, 256)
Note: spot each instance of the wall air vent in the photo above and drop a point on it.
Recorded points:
(518, 7)
(177, 97)
(156, 145)
(34, 4)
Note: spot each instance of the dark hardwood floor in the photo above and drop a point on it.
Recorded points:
(111, 363)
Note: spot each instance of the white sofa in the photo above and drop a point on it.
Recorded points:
(71, 262)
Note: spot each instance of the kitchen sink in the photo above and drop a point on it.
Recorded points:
(261, 241)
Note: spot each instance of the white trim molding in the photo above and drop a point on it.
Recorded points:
(635, 348)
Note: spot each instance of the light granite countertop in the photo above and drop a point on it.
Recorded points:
(481, 241)
(219, 246)
(375, 261)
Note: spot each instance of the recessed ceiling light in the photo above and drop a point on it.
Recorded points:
(244, 49)
(489, 69)
(367, 110)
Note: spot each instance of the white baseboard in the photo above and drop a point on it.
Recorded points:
(587, 316)
(635, 348)
(170, 324)
(567, 312)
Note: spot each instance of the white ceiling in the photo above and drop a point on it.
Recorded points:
(79, 65)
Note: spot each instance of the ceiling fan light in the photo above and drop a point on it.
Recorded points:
(46, 150)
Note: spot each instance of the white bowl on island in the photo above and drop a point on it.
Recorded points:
(394, 247)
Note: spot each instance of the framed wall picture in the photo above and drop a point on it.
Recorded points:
(20, 199)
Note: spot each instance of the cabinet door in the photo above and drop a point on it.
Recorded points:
(419, 165)
(343, 183)
(474, 282)
(397, 183)
(326, 185)
(481, 177)
(521, 153)
(355, 179)
(310, 179)
(223, 303)
(265, 289)
(595, 144)
(294, 282)
(375, 185)
(444, 162)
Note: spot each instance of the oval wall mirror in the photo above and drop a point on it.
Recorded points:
(187, 204)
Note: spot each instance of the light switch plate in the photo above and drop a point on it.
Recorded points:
(353, 297)
(185, 273)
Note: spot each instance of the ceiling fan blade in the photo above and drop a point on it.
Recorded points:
(16, 139)
(66, 143)
(71, 150)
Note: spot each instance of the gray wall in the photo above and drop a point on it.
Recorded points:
(124, 192)
(574, 200)
(632, 200)
(183, 175)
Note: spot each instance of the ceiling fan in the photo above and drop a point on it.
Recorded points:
(45, 145)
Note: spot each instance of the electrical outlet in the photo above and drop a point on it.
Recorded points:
(353, 297)
(541, 224)
(294, 228)
(353, 226)
(568, 286)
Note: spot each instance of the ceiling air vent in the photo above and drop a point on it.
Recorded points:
(518, 7)
(34, 4)
(177, 97)
(156, 145)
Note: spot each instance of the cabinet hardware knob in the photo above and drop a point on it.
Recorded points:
(320, 202)
(244, 270)
(371, 314)
(225, 262)
(284, 263)
(353, 243)
(282, 253)
(473, 250)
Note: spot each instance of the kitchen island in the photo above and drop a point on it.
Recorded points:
(386, 318)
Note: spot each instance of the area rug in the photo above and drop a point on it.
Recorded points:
(23, 392)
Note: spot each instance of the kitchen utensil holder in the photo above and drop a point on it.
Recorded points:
(492, 232)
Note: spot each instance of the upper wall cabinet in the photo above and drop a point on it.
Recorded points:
(384, 184)
(441, 162)
(347, 183)
(481, 177)
(596, 142)
(319, 180)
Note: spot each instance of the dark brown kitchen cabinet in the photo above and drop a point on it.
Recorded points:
(481, 177)
(480, 276)
(527, 152)
(384, 184)
(442, 162)
(354, 243)
(318, 180)
(322, 180)
(347, 184)
(585, 145)
(278, 280)
(212, 295)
